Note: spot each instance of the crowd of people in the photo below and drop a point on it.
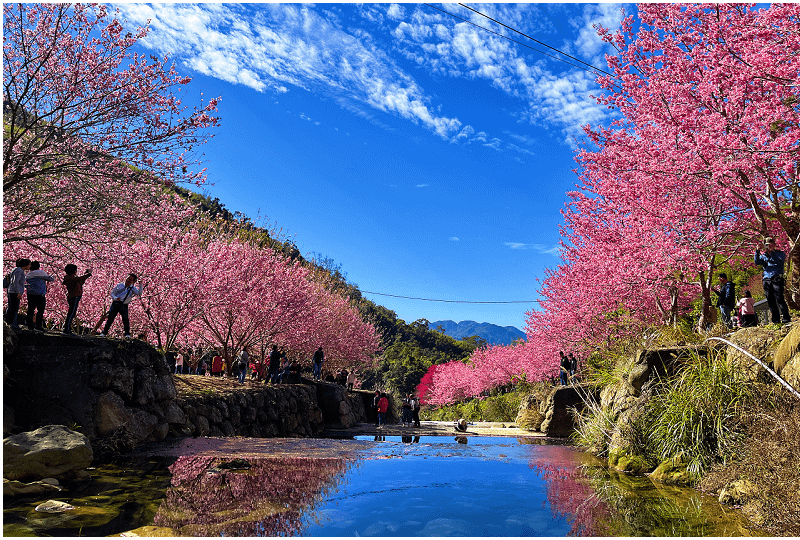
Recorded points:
(29, 278)
(742, 313)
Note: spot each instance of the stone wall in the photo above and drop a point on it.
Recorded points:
(99, 385)
(290, 410)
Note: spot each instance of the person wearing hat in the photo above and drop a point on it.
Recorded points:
(772, 279)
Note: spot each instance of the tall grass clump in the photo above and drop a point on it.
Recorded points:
(698, 413)
(593, 428)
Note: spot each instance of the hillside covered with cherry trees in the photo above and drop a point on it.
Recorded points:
(101, 169)
(699, 165)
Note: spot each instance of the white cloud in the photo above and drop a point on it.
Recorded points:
(278, 45)
(395, 12)
(454, 239)
(550, 93)
(422, 185)
(590, 48)
(540, 248)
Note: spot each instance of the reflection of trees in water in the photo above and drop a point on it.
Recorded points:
(569, 493)
(597, 501)
(265, 496)
(649, 509)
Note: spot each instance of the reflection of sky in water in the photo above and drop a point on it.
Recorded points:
(421, 486)
(438, 487)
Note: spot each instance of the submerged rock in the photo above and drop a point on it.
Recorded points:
(54, 507)
(15, 488)
(674, 471)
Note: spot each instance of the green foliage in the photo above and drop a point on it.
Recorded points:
(696, 413)
(594, 428)
(500, 408)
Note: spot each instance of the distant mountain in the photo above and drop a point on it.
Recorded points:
(493, 334)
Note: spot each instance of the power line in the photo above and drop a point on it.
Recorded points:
(453, 301)
(513, 40)
(534, 39)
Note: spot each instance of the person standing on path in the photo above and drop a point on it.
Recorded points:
(36, 284)
(747, 310)
(726, 298)
(16, 288)
(243, 361)
(274, 364)
(375, 401)
(74, 284)
(415, 407)
(564, 366)
(772, 279)
(383, 406)
(316, 363)
(121, 295)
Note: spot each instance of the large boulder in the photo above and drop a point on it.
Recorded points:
(760, 342)
(529, 417)
(557, 409)
(786, 360)
(48, 452)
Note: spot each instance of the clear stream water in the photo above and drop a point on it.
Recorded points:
(394, 486)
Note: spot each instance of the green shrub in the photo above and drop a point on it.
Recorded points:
(696, 413)
(594, 428)
(500, 408)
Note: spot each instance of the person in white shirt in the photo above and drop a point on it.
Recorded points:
(121, 295)
(36, 285)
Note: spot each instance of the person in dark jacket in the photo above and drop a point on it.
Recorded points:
(274, 364)
(565, 364)
(772, 279)
(726, 298)
(74, 284)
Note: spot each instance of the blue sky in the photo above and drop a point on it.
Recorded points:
(428, 157)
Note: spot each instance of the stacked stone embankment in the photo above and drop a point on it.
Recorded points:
(100, 386)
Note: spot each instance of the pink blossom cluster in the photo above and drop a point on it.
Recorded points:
(699, 165)
(204, 287)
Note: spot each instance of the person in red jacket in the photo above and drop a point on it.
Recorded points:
(217, 366)
(383, 406)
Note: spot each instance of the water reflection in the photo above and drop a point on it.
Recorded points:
(597, 501)
(393, 486)
(254, 496)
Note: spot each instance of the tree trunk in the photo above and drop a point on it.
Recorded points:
(708, 315)
(792, 290)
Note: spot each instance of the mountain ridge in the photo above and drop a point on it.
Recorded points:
(492, 333)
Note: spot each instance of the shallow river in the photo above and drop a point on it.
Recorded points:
(421, 486)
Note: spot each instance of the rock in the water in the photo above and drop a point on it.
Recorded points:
(558, 417)
(48, 452)
(54, 507)
(14, 488)
(673, 471)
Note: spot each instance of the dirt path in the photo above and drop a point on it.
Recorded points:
(486, 429)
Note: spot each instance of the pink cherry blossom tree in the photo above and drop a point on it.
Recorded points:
(87, 121)
(715, 88)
